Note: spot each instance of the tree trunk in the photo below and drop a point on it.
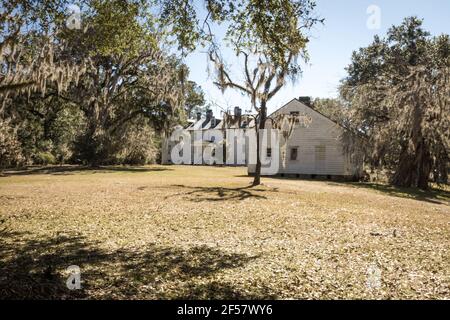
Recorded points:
(88, 145)
(404, 174)
(413, 169)
(261, 125)
(415, 165)
(424, 166)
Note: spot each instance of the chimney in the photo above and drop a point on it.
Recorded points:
(305, 100)
(237, 111)
(199, 116)
(209, 114)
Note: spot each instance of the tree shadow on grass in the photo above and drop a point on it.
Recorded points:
(433, 195)
(35, 269)
(68, 170)
(200, 194)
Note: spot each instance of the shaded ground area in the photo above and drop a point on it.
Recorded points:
(37, 269)
(201, 232)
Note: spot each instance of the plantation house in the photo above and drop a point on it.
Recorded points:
(313, 150)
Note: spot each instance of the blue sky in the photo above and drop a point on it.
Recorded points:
(345, 30)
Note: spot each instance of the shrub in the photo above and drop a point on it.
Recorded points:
(45, 158)
(138, 147)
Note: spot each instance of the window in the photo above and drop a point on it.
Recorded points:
(294, 153)
(295, 113)
(269, 152)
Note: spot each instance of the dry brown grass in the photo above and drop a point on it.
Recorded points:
(198, 232)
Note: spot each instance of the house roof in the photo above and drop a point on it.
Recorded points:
(311, 108)
(204, 124)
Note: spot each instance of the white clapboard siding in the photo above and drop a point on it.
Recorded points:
(320, 149)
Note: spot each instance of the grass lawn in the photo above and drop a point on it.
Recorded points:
(164, 232)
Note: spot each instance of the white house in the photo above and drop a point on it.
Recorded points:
(316, 150)
(211, 129)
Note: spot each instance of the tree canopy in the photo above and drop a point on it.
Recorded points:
(398, 94)
(130, 89)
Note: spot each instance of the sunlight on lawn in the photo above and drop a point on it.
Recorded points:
(201, 232)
